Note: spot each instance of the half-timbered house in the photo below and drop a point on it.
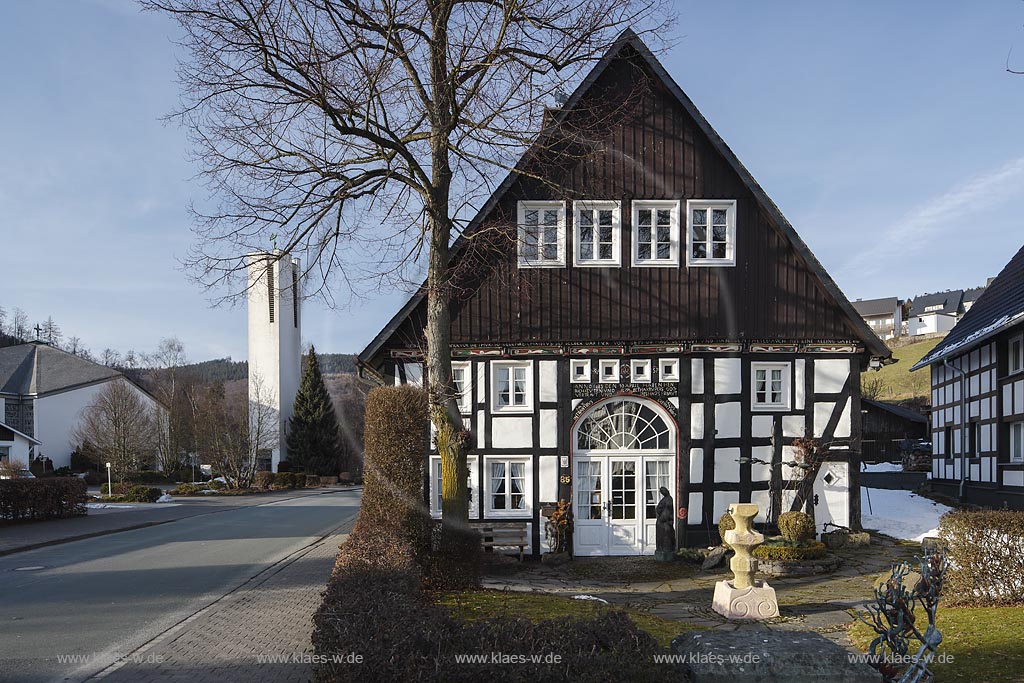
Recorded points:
(651, 319)
(977, 382)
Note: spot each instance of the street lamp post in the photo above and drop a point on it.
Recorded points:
(110, 486)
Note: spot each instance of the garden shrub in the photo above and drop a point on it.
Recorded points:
(120, 488)
(299, 480)
(263, 479)
(284, 480)
(216, 485)
(141, 494)
(725, 523)
(809, 550)
(39, 499)
(796, 527)
(312, 481)
(985, 551)
(186, 489)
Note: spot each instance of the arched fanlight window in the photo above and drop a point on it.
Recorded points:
(623, 424)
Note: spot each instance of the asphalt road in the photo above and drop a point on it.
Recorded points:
(96, 599)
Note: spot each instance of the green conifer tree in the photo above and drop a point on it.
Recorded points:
(313, 432)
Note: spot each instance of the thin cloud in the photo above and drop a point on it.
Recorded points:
(932, 218)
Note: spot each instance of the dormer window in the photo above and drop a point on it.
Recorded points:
(655, 233)
(710, 232)
(541, 235)
(598, 227)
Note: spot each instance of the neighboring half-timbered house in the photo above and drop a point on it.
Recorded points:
(651, 320)
(977, 379)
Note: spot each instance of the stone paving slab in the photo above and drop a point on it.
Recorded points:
(259, 632)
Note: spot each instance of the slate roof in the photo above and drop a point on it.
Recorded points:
(38, 369)
(974, 294)
(1001, 306)
(950, 302)
(872, 307)
(628, 38)
(897, 410)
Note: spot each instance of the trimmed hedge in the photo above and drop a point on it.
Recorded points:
(284, 480)
(312, 481)
(985, 551)
(299, 480)
(812, 550)
(725, 523)
(39, 499)
(263, 479)
(796, 527)
(187, 489)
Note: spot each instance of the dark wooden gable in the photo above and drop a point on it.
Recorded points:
(655, 149)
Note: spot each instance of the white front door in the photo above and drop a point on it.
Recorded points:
(831, 495)
(624, 508)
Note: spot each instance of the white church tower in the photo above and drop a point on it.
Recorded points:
(275, 334)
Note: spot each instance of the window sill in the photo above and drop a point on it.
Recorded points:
(530, 264)
(503, 514)
(709, 263)
(769, 408)
(656, 264)
(597, 264)
(516, 410)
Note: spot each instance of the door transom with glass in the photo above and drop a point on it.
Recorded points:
(624, 451)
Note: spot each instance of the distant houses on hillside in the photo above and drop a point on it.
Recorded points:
(935, 313)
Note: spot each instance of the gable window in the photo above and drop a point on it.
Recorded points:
(1017, 442)
(435, 486)
(640, 370)
(597, 233)
(609, 371)
(935, 307)
(668, 370)
(770, 386)
(710, 232)
(461, 378)
(655, 233)
(1016, 354)
(512, 386)
(541, 235)
(580, 370)
(508, 486)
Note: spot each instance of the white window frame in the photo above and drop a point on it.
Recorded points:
(664, 373)
(644, 363)
(525, 262)
(730, 231)
(787, 381)
(412, 370)
(435, 493)
(615, 377)
(527, 510)
(1016, 451)
(574, 365)
(1015, 365)
(597, 205)
(654, 205)
(497, 366)
(465, 397)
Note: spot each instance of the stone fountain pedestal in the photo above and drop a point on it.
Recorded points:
(744, 597)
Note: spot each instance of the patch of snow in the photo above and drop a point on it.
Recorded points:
(104, 506)
(900, 514)
(165, 499)
(883, 467)
(589, 597)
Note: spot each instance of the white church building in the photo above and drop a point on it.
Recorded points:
(275, 346)
(43, 391)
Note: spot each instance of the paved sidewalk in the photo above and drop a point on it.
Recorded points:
(268, 616)
(28, 535)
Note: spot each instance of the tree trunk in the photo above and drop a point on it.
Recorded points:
(444, 409)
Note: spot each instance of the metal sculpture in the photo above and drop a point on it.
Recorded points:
(893, 618)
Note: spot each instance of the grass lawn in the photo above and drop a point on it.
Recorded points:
(484, 604)
(985, 642)
(898, 382)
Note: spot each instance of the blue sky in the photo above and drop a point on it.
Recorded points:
(888, 133)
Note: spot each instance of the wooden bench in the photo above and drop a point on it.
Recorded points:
(503, 535)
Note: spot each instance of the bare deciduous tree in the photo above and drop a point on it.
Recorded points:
(119, 427)
(51, 333)
(359, 134)
(19, 324)
(176, 421)
(230, 435)
(110, 357)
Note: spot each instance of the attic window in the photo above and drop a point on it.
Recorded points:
(655, 233)
(710, 232)
(936, 307)
(597, 234)
(541, 235)
(1016, 354)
